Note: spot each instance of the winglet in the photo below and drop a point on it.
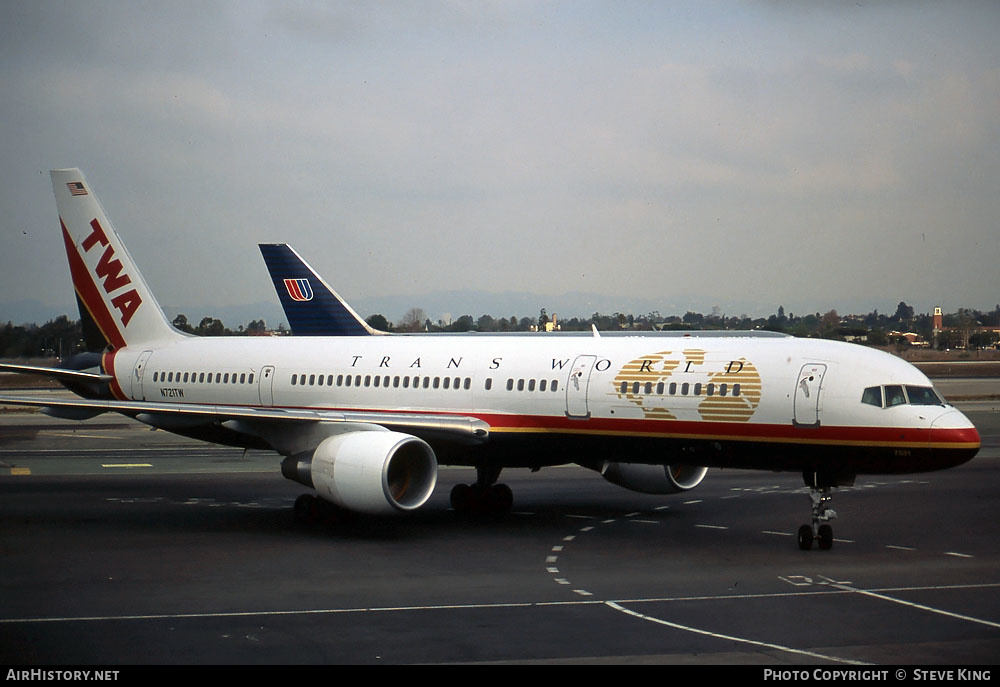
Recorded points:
(311, 306)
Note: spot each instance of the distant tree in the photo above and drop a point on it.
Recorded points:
(413, 320)
(829, 324)
(486, 324)
(210, 326)
(181, 322)
(543, 319)
(462, 324)
(904, 312)
(379, 322)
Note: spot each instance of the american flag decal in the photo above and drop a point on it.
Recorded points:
(76, 188)
(299, 289)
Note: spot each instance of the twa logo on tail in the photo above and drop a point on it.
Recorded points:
(110, 270)
(299, 289)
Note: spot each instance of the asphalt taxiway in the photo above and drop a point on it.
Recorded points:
(120, 545)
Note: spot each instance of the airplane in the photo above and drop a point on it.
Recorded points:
(365, 420)
(311, 306)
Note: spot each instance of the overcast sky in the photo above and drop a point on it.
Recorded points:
(815, 155)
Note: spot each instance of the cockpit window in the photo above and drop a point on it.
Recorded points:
(923, 396)
(894, 396)
(873, 396)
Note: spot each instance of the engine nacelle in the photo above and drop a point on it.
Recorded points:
(368, 472)
(654, 479)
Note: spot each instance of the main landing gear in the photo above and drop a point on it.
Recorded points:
(821, 494)
(311, 509)
(485, 497)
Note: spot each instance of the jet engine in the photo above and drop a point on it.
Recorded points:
(654, 479)
(370, 472)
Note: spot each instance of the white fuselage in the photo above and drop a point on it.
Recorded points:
(737, 389)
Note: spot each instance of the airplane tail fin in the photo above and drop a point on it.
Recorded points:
(109, 287)
(311, 306)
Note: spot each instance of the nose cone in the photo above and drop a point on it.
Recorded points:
(954, 435)
(953, 419)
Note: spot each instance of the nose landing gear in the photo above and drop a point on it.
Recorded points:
(821, 488)
(821, 513)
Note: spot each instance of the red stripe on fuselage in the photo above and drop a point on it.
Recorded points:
(901, 437)
(108, 365)
(90, 296)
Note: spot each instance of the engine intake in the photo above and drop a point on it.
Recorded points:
(368, 472)
(654, 479)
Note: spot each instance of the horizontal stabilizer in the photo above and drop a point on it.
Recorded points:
(56, 372)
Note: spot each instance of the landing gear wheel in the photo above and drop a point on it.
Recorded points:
(461, 497)
(477, 499)
(312, 510)
(825, 537)
(499, 499)
(805, 537)
(305, 507)
(821, 494)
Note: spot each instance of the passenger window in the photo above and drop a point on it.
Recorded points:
(872, 396)
(736, 389)
(894, 396)
(467, 384)
(542, 384)
(624, 388)
(243, 378)
(697, 389)
(555, 385)
(531, 385)
(684, 389)
(489, 383)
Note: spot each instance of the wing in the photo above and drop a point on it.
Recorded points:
(286, 431)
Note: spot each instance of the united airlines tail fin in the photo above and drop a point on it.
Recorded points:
(311, 306)
(111, 292)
